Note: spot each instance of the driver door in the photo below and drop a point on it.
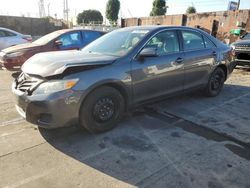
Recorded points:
(70, 41)
(162, 74)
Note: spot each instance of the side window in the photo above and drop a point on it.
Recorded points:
(2, 34)
(208, 43)
(165, 42)
(70, 39)
(9, 34)
(90, 36)
(192, 40)
(6, 33)
(246, 36)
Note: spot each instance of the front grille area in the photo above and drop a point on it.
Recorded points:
(243, 56)
(242, 48)
(26, 83)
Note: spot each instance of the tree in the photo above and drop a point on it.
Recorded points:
(112, 10)
(191, 10)
(88, 16)
(159, 8)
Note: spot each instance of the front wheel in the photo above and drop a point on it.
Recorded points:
(102, 109)
(215, 82)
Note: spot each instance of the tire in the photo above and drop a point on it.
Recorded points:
(215, 82)
(102, 109)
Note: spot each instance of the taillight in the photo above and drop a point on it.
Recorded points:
(29, 39)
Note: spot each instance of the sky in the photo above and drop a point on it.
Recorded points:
(129, 8)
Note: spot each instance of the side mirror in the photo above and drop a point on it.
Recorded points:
(58, 43)
(148, 52)
(242, 36)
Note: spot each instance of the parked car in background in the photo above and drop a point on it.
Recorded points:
(241, 50)
(9, 38)
(12, 58)
(125, 68)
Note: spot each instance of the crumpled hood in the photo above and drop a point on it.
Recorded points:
(54, 63)
(20, 47)
(242, 42)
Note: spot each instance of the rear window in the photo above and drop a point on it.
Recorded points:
(89, 36)
(208, 43)
(192, 40)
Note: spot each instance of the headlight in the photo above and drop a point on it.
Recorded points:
(55, 86)
(233, 50)
(2, 54)
(14, 54)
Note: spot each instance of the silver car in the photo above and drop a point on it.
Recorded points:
(122, 69)
(9, 38)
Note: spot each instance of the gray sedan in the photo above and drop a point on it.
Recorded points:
(125, 68)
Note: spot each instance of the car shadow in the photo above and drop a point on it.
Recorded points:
(124, 153)
(127, 152)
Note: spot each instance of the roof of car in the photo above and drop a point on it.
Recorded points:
(78, 29)
(6, 29)
(156, 27)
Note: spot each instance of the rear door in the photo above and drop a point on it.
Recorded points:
(89, 36)
(199, 56)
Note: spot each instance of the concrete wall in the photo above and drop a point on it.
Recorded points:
(226, 21)
(32, 26)
(156, 20)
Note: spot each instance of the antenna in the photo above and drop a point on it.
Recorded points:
(238, 5)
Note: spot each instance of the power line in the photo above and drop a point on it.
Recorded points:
(175, 2)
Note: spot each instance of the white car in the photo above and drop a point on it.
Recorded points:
(9, 38)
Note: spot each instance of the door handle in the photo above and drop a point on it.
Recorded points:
(214, 53)
(179, 60)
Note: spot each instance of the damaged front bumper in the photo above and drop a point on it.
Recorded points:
(55, 110)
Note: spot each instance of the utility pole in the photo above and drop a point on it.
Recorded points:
(41, 8)
(238, 6)
(66, 11)
(48, 9)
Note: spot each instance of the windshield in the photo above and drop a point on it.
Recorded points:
(47, 38)
(246, 37)
(117, 43)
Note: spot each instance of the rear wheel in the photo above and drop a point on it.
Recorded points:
(102, 109)
(215, 83)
